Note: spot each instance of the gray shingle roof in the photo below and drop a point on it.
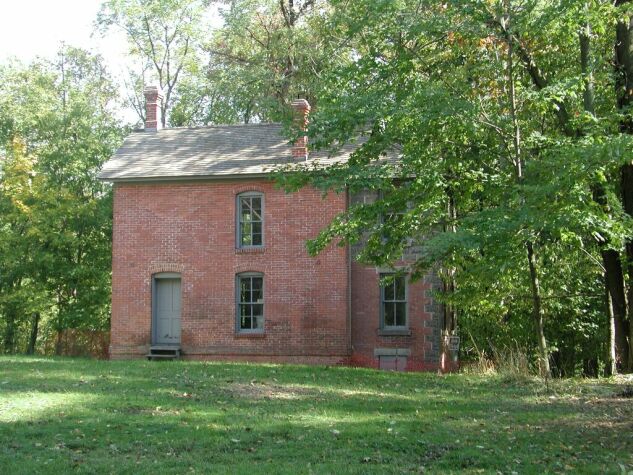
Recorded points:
(213, 151)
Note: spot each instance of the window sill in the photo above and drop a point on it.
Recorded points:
(250, 335)
(250, 250)
(403, 332)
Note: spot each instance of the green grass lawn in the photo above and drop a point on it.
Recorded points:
(75, 415)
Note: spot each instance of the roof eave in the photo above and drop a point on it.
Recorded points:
(181, 178)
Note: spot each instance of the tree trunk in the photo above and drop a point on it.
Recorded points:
(58, 343)
(33, 337)
(537, 307)
(448, 285)
(587, 76)
(537, 311)
(9, 331)
(615, 284)
(610, 368)
(612, 273)
(450, 313)
(614, 281)
(590, 367)
(623, 66)
(627, 200)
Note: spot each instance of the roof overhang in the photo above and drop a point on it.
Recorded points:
(185, 178)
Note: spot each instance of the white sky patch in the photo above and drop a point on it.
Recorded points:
(30, 28)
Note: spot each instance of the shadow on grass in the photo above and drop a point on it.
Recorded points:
(241, 418)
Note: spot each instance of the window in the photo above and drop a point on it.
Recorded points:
(250, 303)
(393, 302)
(250, 220)
(391, 218)
(392, 363)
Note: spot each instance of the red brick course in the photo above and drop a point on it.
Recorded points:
(190, 228)
(366, 333)
(312, 313)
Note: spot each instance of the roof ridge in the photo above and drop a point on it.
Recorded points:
(215, 126)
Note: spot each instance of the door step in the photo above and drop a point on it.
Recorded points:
(158, 352)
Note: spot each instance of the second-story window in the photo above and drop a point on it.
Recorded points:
(250, 220)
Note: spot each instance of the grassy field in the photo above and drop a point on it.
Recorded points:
(74, 415)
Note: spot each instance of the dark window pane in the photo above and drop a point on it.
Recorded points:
(400, 288)
(256, 240)
(246, 323)
(388, 295)
(401, 314)
(256, 206)
(245, 310)
(245, 234)
(389, 316)
(257, 294)
(258, 309)
(256, 227)
(245, 290)
(245, 209)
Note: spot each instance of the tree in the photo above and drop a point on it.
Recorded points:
(165, 36)
(57, 128)
(273, 51)
(479, 138)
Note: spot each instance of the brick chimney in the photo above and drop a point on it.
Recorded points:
(301, 110)
(153, 104)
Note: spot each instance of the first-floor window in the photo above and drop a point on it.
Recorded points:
(393, 297)
(250, 302)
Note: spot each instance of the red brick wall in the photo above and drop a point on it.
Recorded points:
(424, 318)
(190, 228)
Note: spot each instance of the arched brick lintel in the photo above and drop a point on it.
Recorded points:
(248, 268)
(158, 267)
(249, 188)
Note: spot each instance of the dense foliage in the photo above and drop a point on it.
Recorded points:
(506, 124)
(56, 129)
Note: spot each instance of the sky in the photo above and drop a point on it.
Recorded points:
(30, 28)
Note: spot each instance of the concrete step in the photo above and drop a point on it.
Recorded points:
(159, 352)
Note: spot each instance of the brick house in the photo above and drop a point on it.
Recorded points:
(209, 258)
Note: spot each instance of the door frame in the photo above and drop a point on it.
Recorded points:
(154, 326)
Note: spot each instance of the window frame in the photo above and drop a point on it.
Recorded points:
(383, 325)
(239, 303)
(238, 220)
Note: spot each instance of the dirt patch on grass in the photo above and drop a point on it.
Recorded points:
(259, 390)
